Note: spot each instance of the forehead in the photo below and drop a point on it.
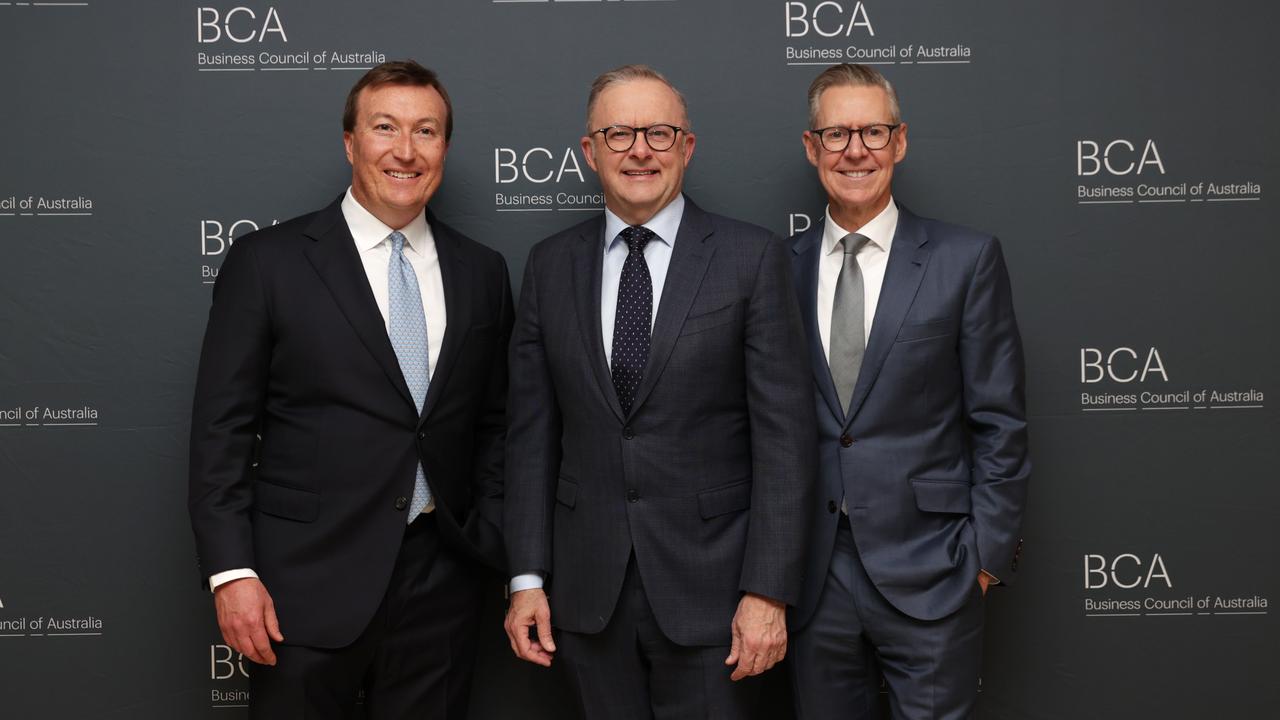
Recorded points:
(637, 102)
(405, 101)
(853, 105)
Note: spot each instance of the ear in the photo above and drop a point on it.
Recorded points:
(811, 147)
(589, 152)
(900, 144)
(690, 140)
(346, 142)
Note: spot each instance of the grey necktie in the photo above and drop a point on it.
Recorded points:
(408, 332)
(848, 322)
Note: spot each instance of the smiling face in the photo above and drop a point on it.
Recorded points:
(858, 181)
(639, 182)
(396, 150)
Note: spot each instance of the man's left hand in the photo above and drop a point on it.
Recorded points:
(759, 636)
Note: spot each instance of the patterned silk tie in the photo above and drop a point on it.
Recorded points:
(848, 323)
(633, 318)
(408, 333)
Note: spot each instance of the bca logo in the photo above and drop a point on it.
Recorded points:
(1119, 157)
(216, 236)
(1121, 365)
(537, 165)
(1125, 571)
(828, 19)
(239, 25)
(225, 663)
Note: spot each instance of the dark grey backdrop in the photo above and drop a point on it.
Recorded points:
(1150, 319)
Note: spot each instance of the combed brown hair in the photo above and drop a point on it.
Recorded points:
(397, 72)
(852, 75)
(627, 73)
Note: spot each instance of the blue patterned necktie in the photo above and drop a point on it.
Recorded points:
(408, 333)
(633, 317)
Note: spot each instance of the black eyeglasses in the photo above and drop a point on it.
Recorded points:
(874, 137)
(620, 138)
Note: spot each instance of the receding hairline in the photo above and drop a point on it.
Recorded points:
(851, 75)
(627, 74)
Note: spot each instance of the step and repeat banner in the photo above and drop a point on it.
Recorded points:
(1125, 153)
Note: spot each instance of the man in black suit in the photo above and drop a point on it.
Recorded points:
(661, 440)
(364, 345)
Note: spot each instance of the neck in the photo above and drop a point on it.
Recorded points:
(852, 218)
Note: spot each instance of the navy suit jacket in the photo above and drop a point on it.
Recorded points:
(707, 478)
(932, 453)
(296, 353)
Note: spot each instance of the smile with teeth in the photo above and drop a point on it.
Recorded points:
(856, 173)
(639, 173)
(402, 175)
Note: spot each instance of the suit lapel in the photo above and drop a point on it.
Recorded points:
(334, 257)
(908, 259)
(689, 260)
(454, 276)
(587, 257)
(808, 256)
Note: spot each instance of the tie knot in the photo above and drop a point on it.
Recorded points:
(397, 242)
(853, 242)
(636, 237)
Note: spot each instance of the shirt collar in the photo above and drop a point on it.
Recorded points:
(368, 231)
(879, 230)
(665, 224)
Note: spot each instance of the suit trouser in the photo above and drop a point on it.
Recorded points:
(632, 671)
(414, 659)
(931, 668)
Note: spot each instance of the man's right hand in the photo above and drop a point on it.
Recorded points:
(247, 618)
(529, 608)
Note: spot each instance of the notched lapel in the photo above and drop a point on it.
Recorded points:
(587, 257)
(808, 252)
(455, 275)
(908, 260)
(689, 260)
(334, 257)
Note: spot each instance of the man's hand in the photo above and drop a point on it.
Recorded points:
(529, 608)
(247, 618)
(759, 636)
(984, 581)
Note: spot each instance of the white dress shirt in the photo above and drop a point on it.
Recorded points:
(370, 235)
(657, 255)
(872, 258)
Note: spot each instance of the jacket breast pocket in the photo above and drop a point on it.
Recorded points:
(712, 319)
(914, 332)
(942, 496)
(724, 499)
(285, 502)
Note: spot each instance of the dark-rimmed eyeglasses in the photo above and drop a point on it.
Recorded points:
(874, 137)
(620, 138)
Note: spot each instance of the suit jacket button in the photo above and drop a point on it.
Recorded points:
(628, 433)
(831, 506)
(422, 435)
(845, 440)
(402, 502)
(633, 496)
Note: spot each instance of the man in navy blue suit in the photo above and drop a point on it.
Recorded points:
(923, 467)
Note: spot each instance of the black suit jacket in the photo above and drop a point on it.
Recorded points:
(297, 352)
(707, 478)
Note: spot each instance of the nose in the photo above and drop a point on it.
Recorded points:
(640, 148)
(856, 148)
(402, 148)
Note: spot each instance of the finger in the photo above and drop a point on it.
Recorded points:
(262, 645)
(544, 630)
(538, 655)
(521, 638)
(734, 649)
(273, 623)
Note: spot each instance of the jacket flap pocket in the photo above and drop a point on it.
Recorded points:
(288, 503)
(942, 496)
(566, 492)
(714, 318)
(726, 499)
(924, 330)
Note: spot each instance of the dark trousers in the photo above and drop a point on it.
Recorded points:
(632, 671)
(414, 660)
(931, 668)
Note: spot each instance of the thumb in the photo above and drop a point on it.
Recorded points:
(734, 648)
(544, 629)
(273, 624)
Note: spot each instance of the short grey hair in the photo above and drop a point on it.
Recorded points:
(627, 73)
(851, 75)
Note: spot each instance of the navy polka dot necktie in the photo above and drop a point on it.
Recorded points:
(633, 318)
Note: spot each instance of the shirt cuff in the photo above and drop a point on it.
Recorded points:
(526, 581)
(227, 576)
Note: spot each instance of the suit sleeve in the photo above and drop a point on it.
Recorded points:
(533, 438)
(484, 527)
(995, 411)
(226, 413)
(783, 432)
